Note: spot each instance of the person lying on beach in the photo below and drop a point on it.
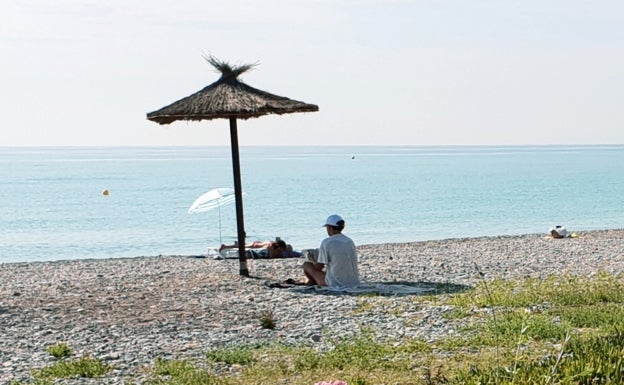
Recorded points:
(336, 266)
(269, 249)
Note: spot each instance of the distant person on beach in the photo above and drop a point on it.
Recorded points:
(337, 258)
(561, 232)
(274, 249)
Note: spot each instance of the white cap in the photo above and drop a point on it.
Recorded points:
(333, 220)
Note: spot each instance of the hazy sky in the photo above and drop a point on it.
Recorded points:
(382, 72)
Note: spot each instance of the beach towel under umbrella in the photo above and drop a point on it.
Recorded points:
(211, 200)
(229, 98)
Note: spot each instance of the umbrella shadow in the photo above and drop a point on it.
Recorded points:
(425, 289)
(436, 288)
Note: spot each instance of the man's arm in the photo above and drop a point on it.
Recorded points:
(318, 265)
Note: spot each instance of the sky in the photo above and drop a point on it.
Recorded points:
(386, 72)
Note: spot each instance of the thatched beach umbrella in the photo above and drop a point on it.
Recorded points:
(231, 99)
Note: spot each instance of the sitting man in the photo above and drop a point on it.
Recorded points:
(338, 253)
(559, 232)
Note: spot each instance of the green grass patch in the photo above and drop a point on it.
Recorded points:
(457, 313)
(59, 350)
(232, 356)
(174, 368)
(600, 316)
(512, 324)
(85, 366)
(182, 372)
(360, 360)
(567, 290)
(595, 360)
(361, 353)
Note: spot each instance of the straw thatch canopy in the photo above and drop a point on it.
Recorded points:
(231, 99)
(228, 97)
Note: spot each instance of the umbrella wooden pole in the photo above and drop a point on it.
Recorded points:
(238, 194)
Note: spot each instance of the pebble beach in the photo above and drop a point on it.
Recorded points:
(130, 311)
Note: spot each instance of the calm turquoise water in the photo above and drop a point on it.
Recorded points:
(52, 206)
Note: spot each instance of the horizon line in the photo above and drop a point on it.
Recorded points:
(304, 145)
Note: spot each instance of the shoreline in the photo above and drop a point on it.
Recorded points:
(130, 311)
(363, 246)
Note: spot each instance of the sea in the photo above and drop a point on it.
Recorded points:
(65, 203)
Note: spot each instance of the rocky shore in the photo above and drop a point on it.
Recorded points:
(128, 312)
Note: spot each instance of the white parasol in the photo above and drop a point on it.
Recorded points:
(213, 199)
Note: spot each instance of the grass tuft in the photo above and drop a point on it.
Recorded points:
(61, 350)
(82, 367)
(267, 319)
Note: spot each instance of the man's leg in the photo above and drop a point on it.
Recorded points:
(315, 275)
